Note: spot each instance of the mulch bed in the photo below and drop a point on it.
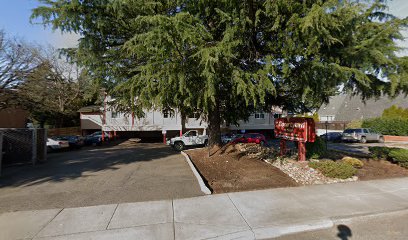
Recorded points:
(380, 169)
(229, 170)
(375, 168)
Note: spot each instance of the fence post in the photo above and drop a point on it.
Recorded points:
(34, 146)
(45, 143)
(1, 150)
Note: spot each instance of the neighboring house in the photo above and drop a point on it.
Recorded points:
(348, 108)
(257, 121)
(91, 119)
(156, 123)
(13, 118)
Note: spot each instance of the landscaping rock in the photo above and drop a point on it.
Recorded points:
(298, 171)
(305, 175)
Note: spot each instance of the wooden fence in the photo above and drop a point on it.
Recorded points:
(332, 125)
(64, 131)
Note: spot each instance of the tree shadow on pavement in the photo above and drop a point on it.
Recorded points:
(73, 164)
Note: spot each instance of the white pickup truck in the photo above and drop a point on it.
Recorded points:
(190, 138)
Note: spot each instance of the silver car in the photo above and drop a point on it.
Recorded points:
(362, 135)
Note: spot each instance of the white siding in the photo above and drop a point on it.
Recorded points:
(268, 122)
(155, 121)
(92, 117)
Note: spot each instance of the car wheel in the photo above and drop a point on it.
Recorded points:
(179, 146)
(381, 140)
(363, 140)
(206, 143)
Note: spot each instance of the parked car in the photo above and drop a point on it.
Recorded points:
(75, 142)
(190, 138)
(96, 138)
(362, 135)
(332, 136)
(227, 137)
(54, 145)
(251, 138)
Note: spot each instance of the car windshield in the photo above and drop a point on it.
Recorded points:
(238, 136)
(191, 134)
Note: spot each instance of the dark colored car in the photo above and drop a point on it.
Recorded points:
(227, 137)
(332, 136)
(75, 142)
(251, 138)
(96, 138)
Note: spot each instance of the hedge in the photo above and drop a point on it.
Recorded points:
(315, 149)
(396, 155)
(400, 156)
(387, 126)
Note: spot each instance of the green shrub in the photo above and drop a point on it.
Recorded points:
(395, 112)
(316, 149)
(334, 169)
(387, 126)
(380, 152)
(400, 156)
(353, 162)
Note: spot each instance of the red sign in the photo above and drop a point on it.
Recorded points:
(295, 129)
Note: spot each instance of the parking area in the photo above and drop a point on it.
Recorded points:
(126, 172)
(362, 148)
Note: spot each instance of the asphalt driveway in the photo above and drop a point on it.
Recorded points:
(99, 175)
(362, 148)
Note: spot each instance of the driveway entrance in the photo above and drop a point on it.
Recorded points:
(99, 175)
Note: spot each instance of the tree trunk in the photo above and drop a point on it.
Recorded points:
(183, 121)
(214, 126)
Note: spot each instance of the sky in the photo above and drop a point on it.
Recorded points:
(15, 21)
(15, 14)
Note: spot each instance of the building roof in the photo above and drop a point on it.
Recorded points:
(90, 109)
(347, 108)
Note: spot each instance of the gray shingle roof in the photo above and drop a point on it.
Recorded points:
(347, 108)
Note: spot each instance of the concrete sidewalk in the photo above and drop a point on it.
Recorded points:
(244, 215)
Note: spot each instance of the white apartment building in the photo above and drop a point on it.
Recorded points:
(155, 123)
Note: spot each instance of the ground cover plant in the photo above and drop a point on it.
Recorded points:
(353, 162)
(396, 155)
(400, 156)
(334, 169)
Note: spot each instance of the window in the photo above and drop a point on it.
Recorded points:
(192, 134)
(327, 118)
(195, 115)
(259, 115)
(166, 114)
(115, 114)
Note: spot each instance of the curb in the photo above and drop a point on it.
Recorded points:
(279, 231)
(203, 187)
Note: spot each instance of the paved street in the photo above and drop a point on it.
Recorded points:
(243, 215)
(98, 175)
(380, 227)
